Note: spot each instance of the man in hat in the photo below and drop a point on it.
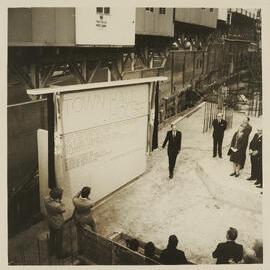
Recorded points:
(55, 209)
(219, 126)
(174, 137)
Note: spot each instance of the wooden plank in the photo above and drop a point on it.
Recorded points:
(93, 86)
(26, 103)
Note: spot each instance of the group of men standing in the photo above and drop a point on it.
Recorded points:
(82, 204)
(237, 150)
(55, 209)
(238, 147)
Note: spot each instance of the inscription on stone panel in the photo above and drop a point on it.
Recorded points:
(108, 142)
(94, 108)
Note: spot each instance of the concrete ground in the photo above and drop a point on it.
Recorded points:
(198, 205)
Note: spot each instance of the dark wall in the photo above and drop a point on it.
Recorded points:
(23, 122)
(41, 26)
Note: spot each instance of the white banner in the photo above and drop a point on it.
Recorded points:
(103, 138)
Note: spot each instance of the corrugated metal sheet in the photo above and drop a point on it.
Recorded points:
(87, 26)
(199, 16)
(114, 27)
(154, 23)
(65, 25)
(19, 25)
(43, 25)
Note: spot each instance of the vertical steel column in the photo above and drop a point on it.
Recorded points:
(172, 73)
(132, 57)
(156, 120)
(194, 65)
(215, 56)
(85, 72)
(51, 160)
(71, 241)
(176, 100)
(205, 104)
(184, 69)
(109, 75)
(203, 64)
(207, 64)
(223, 61)
(34, 75)
(149, 129)
(38, 246)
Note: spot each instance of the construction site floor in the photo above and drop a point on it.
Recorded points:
(198, 205)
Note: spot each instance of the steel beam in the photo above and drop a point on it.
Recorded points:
(92, 74)
(47, 75)
(77, 72)
(21, 75)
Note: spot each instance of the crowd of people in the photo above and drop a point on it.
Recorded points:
(226, 252)
(170, 256)
(189, 43)
(238, 148)
(195, 42)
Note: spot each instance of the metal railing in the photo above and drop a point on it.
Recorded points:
(82, 246)
(37, 251)
(210, 111)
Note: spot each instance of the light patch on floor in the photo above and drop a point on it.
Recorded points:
(153, 207)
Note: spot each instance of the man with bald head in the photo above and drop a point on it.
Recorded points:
(174, 137)
(255, 152)
(219, 126)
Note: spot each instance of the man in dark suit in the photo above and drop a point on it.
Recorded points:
(247, 128)
(174, 137)
(255, 151)
(219, 126)
(253, 159)
(229, 252)
(171, 255)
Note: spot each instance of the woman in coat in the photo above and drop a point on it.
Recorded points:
(237, 151)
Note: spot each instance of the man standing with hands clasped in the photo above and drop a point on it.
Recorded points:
(255, 152)
(174, 138)
(219, 126)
